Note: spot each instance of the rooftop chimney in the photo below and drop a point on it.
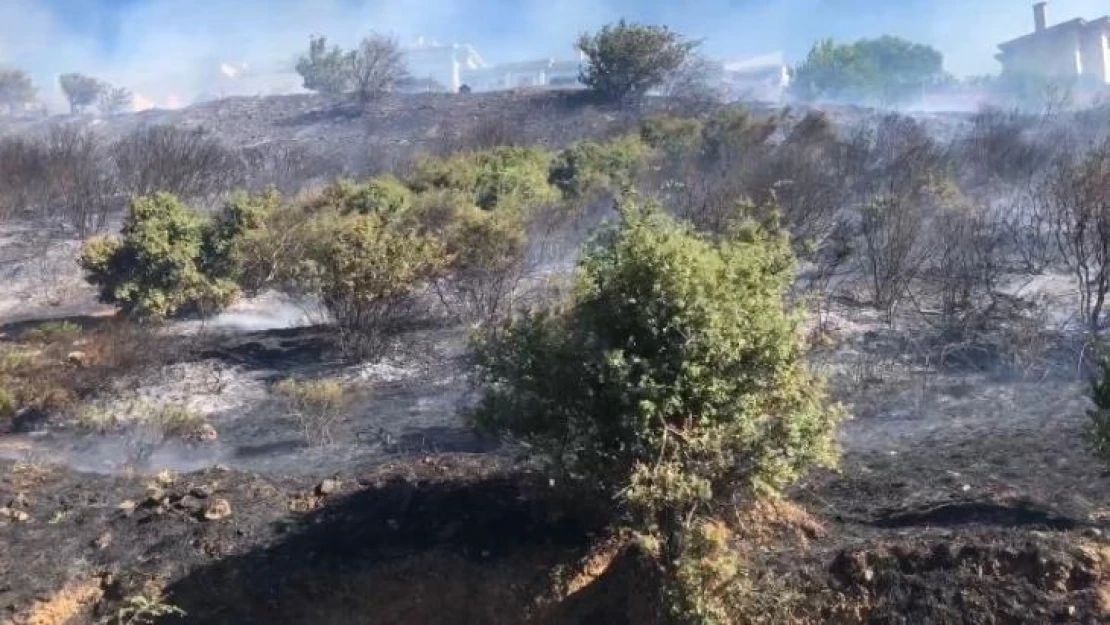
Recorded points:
(1039, 16)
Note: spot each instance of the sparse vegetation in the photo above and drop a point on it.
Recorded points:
(115, 100)
(377, 67)
(191, 164)
(316, 405)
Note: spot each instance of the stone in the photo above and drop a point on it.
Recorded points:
(77, 358)
(327, 487)
(127, 506)
(218, 508)
(103, 541)
(18, 516)
(206, 434)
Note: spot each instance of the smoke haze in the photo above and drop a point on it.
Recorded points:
(169, 51)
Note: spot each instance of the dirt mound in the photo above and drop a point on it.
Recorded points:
(1001, 580)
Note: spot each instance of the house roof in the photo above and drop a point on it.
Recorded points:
(1076, 24)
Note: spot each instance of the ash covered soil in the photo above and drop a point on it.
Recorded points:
(963, 496)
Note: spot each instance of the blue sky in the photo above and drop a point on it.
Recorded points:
(152, 43)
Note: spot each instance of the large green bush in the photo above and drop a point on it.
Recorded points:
(674, 380)
(155, 268)
(626, 60)
(675, 376)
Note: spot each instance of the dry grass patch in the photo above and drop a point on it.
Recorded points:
(64, 607)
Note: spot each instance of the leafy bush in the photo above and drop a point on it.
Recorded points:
(672, 135)
(626, 60)
(326, 70)
(502, 177)
(368, 274)
(385, 195)
(222, 239)
(315, 404)
(674, 378)
(592, 167)
(155, 268)
(486, 251)
(888, 69)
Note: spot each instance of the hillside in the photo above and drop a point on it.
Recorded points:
(160, 469)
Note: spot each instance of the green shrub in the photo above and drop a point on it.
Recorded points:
(674, 136)
(155, 268)
(385, 195)
(486, 252)
(502, 178)
(674, 379)
(240, 218)
(626, 60)
(592, 167)
(367, 276)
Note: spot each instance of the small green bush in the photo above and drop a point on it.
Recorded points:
(222, 239)
(155, 268)
(591, 167)
(367, 276)
(499, 178)
(385, 195)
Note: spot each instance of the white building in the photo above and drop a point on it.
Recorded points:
(763, 78)
(553, 73)
(443, 64)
